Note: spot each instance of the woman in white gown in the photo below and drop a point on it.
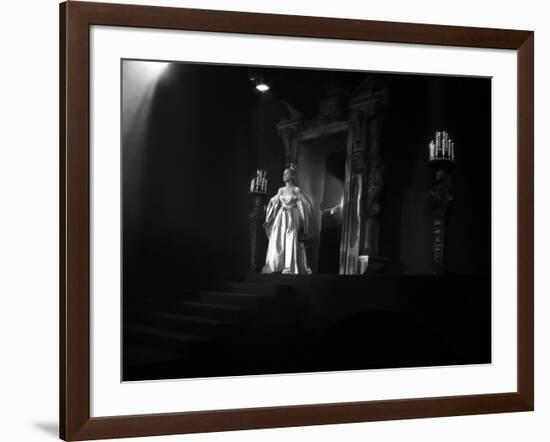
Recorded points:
(287, 226)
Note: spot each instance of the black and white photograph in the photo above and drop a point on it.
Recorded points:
(288, 220)
(243, 221)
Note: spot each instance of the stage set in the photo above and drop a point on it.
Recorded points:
(281, 220)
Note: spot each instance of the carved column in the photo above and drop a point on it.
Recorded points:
(256, 218)
(350, 243)
(441, 195)
(374, 186)
(371, 100)
(442, 155)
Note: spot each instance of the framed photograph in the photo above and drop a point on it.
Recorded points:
(272, 221)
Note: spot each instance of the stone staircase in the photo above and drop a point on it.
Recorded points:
(237, 326)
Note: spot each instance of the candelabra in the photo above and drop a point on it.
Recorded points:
(442, 161)
(258, 184)
(442, 147)
(256, 218)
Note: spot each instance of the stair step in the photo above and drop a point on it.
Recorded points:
(222, 312)
(183, 322)
(241, 299)
(177, 340)
(137, 353)
(249, 287)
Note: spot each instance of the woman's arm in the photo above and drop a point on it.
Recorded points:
(305, 210)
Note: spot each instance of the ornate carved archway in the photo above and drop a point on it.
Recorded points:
(359, 116)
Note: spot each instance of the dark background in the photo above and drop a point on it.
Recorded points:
(193, 137)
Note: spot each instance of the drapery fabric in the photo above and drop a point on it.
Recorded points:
(287, 225)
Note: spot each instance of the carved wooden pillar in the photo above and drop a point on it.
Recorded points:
(374, 186)
(442, 155)
(441, 195)
(350, 243)
(371, 101)
(256, 218)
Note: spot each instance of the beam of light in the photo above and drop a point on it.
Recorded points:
(262, 87)
(152, 70)
(139, 81)
(139, 84)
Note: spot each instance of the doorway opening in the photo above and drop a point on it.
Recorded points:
(322, 173)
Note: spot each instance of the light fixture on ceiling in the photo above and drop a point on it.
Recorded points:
(262, 87)
(257, 78)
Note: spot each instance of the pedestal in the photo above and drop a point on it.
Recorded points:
(257, 236)
(441, 195)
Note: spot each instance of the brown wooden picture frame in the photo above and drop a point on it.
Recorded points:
(75, 21)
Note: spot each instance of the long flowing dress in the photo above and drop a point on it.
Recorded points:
(287, 226)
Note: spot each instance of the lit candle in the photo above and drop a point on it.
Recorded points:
(432, 150)
(252, 185)
(438, 144)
